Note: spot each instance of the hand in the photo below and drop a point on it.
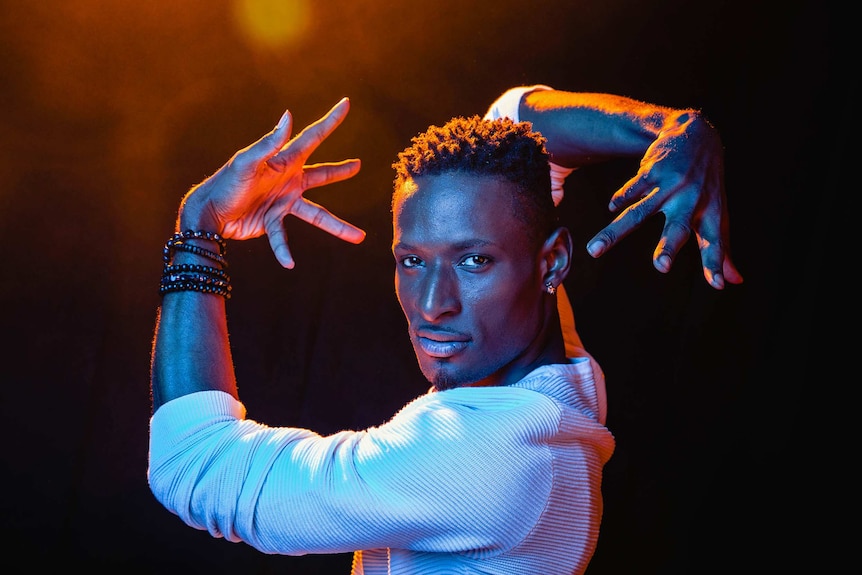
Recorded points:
(261, 184)
(682, 176)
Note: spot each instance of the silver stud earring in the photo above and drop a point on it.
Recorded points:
(550, 287)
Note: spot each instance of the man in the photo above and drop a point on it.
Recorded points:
(497, 469)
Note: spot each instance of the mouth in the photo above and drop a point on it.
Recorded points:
(439, 344)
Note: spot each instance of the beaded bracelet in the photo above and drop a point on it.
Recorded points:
(195, 277)
(173, 245)
(200, 282)
(200, 235)
(222, 290)
(172, 278)
(176, 242)
(198, 268)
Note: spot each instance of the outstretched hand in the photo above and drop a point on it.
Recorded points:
(682, 176)
(263, 183)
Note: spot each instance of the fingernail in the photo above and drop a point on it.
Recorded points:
(283, 120)
(596, 248)
(663, 263)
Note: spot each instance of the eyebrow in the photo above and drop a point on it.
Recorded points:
(462, 245)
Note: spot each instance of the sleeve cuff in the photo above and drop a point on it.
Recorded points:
(506, 106)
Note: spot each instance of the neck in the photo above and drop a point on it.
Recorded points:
(549, 348)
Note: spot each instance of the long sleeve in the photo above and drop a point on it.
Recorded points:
(399, 485)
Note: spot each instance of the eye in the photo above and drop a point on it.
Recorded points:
(411, 262)
(475, 261)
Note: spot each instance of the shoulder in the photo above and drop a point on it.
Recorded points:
(472, 413)
(578, 385)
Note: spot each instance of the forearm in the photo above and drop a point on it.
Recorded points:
(248, 197)
(191, 351)
(585, 128)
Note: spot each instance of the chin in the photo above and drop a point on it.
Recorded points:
(445, 374)
(443, 383)
(442, 379)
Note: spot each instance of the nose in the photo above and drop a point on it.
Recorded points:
(439, 293)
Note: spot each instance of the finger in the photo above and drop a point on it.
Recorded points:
(318, 175)
(731, 274)
(629, 220)
(277, 236)
(268, 145)
(712, 232)
(712, 258)
(321, 218)
(300, 148)
(674, 234)
(633, 190)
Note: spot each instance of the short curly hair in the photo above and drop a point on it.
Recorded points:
(500, 148)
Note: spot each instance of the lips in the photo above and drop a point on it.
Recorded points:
(441, 344)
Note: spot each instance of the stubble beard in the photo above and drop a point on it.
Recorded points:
(442, 379)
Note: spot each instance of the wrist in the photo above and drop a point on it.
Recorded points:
(193, 214)
(202, 244)
(195, 261)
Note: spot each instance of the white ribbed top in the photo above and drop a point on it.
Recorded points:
(493, 480)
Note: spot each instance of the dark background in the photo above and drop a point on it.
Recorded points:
(112, 110)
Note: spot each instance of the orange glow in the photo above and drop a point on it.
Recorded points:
(273, 23)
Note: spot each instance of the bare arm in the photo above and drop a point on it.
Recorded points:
(681, 172)
(247, 197)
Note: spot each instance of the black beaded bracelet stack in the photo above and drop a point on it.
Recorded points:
(195, 277)
(178, 242)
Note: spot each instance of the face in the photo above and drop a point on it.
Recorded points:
(469, 280)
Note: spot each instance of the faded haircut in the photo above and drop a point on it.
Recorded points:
(498, 148)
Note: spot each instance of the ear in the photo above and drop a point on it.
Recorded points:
(556, 257)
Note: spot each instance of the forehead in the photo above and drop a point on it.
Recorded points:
(452, 207)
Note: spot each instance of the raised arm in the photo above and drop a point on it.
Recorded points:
(681, 172)
(247, 197)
